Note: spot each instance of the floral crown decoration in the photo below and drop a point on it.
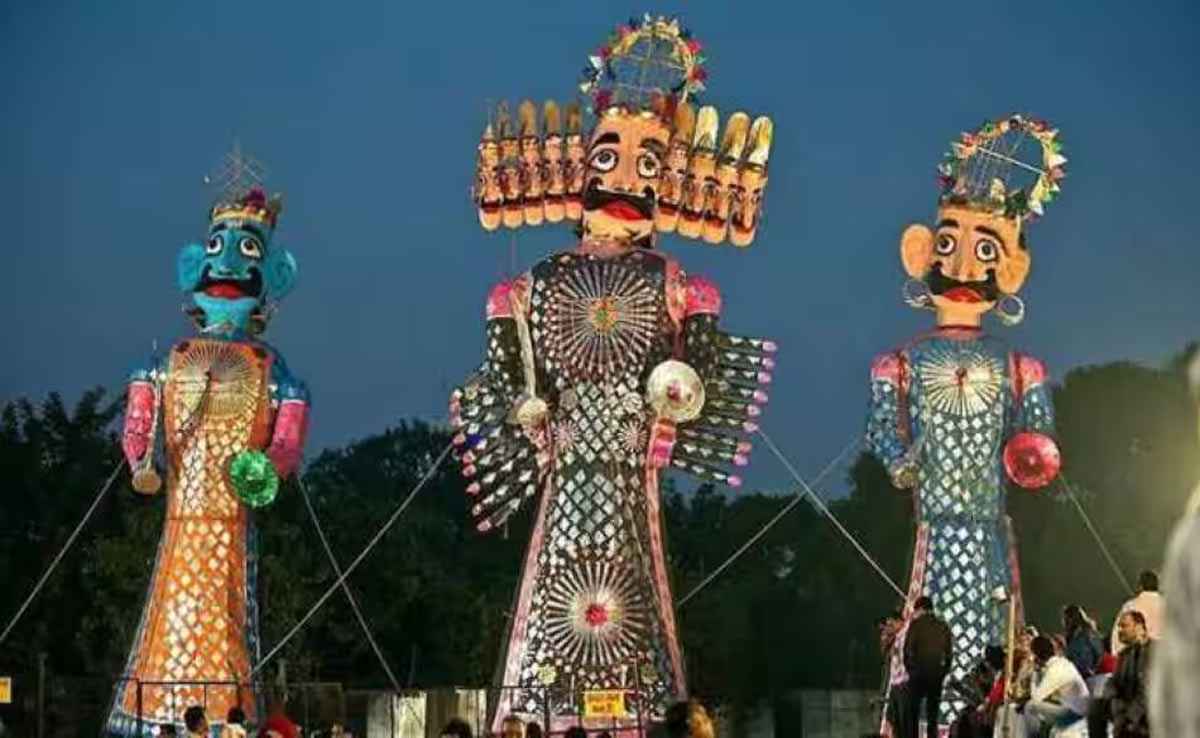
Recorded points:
(982, 167)
(644, 64)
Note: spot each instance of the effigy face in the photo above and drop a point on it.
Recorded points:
(968, 261)
(232, 276)
(621, 179)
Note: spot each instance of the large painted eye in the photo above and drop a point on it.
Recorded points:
(250, 247)
(986, 250)
(215, 245)
(945, 244)
(604, 160)
(648, 165)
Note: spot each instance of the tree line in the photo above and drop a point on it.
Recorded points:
(796, 611)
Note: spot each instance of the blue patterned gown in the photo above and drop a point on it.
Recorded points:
(947, 403)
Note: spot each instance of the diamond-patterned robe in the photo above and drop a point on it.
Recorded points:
(199, 623)
(963, 394)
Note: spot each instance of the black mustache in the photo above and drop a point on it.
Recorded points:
(940, 284)
(252, 286)
(595, 197)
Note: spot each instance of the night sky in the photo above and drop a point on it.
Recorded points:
(368, 115)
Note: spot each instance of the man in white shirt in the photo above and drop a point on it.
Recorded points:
(1149, 603)
(1175, 668)
(1059, 696)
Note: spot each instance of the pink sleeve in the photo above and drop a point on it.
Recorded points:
(886, 367)
(703, 297)
(1030, 371)
(287, 441)
(139, 420)
(499, 301)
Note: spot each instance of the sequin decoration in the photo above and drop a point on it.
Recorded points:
(591, 610)
(960, 382)
(198, 622)
(600, 315)
(595, 614)
(959, 400)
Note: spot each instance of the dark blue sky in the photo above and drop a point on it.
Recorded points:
(368, 115)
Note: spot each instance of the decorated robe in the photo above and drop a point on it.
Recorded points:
(197, 640)
(954, 397)
(593, 609)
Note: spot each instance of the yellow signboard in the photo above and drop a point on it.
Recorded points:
(5, 690)
(604, 704)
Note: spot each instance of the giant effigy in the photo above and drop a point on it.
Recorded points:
(233, 421)
(955, 414)
(606, 366)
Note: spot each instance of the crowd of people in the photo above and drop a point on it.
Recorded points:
(1070, 682)
(196, 725)
(684, 719)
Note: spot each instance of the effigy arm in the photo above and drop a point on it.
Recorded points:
(889, 433)
(1031, 455)
(501, 435)
(291, 423)
(142, 402)
(731, 371)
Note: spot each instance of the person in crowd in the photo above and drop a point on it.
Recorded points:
(689, 719)
(1123, 699)
(1175, 672)
(512, 727)
(1083, 646)
(235, 723)
(1149, 603)
(575, 732)
(533, 730)
(195, 721)
(278, 726)
(457, 728)
(1059, 696)
(928, 649)
(975, 720)
(166, 731)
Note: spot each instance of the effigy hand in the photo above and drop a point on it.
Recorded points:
(906, 472)
(1032, 460)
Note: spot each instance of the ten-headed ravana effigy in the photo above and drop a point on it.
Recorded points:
(233, 422)
(955, 412)
(605, 365)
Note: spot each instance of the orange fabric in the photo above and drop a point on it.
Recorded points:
(216, 404)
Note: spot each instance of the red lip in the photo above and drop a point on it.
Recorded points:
(962, 294)
(224, 290)
(622, 210)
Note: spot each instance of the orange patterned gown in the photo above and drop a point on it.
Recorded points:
(198, 633)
